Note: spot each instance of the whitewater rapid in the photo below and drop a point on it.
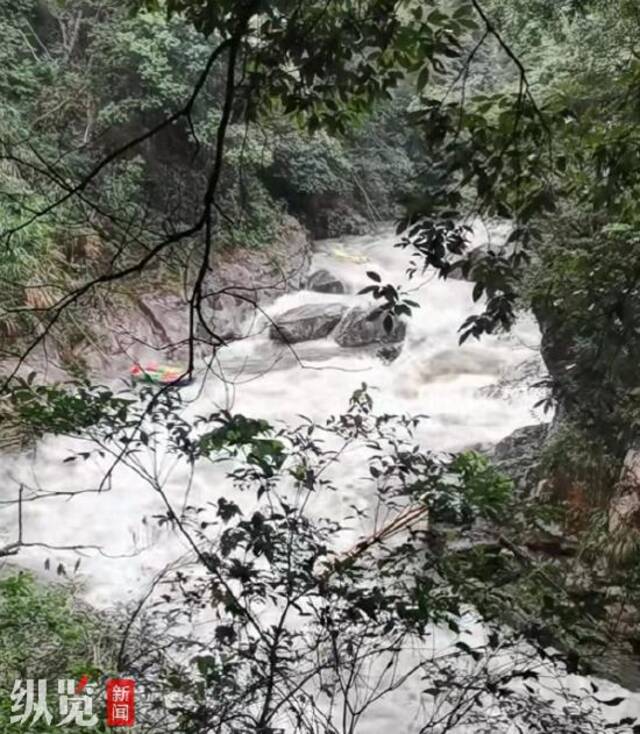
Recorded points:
(471, 395)
(257, 377)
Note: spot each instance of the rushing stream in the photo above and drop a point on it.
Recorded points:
(472, 395)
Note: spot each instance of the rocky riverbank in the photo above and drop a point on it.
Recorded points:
(140, 324)
(593, 575)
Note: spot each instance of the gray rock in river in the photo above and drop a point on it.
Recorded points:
(389, 353)
(356, 330)
(465, 360)
(303, 323)
(323, 281)
(518, 455)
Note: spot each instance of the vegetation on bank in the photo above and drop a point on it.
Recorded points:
(80, 79)
(46, 634)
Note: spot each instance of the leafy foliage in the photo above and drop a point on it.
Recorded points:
(303, 603)
(44, 634)
(193, 88)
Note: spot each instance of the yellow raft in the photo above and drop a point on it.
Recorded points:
(342, 255)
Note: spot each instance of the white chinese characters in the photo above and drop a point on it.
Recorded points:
(76, 704)
(121, 702)
(30, 703)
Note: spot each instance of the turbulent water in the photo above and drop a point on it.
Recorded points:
(472, 395)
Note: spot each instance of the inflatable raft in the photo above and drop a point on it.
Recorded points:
(160, 374)
(347, 257)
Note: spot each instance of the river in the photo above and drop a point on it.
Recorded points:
(472, 395)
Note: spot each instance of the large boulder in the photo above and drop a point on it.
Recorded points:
(525, 442)
(322, 281)
(329, 215)
(301, 324)
(358, 329)
(244, 278)
(518, 455)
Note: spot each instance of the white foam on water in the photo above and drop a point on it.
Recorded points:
(433, 376)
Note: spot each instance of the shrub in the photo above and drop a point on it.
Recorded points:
(46, 634)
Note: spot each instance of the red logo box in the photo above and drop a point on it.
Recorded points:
(121, 702)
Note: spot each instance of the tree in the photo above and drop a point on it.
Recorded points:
(269, 63)
(321, 64)
(311, 623)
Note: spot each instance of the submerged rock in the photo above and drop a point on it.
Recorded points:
(467, 360)
(323, 281)
(358, 329)
(389, 353)
(303, 323)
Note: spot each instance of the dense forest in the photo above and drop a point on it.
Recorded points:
(205, 210)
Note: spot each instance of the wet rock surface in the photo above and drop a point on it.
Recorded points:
(248, 277)
(324, 281)
(624, 510)
(358, 329)
(518, 455)
(304, 323)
